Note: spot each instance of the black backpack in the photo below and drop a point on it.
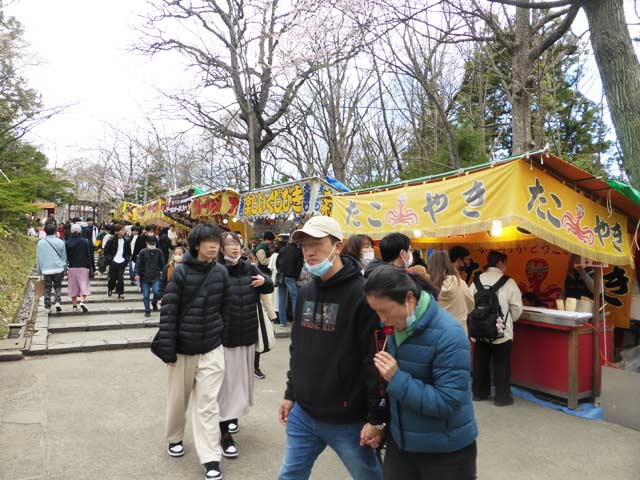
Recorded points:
(481, 321)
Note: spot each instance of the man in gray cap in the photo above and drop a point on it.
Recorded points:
(333, 393)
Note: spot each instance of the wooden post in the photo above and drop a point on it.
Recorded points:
(597, 305)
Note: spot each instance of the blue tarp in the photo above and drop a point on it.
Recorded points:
(585, 410)
(338, 185)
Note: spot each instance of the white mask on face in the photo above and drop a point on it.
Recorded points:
(151, 247)
(409, 260)
(177, 258)
(231, 260)
(368, 257)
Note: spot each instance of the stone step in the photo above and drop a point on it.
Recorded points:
(83, 323)
(129, 305)
(103, 298)
(96, 340)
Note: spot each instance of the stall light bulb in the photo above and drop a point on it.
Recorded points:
(291, 217)
(273, 216)
(417, 233)
(225, 221)
(496, 228)
(235, 219)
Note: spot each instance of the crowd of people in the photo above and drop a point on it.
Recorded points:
(352, 385)
(380, 350)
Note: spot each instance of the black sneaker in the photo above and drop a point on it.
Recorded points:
(155, 307)
(75, 308)
(234, 428)
(133, 284)
(212, 471)
(229, 448)
(147, 314)
(120, 297)
(175, 449)
(58, 308)
(109, 292)
(504, 403)
(259, 375)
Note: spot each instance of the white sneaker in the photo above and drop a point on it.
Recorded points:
(175, 449)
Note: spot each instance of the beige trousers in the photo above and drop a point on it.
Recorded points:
(268, 306)
(198, 377)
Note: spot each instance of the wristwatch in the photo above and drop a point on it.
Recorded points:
(380, 427)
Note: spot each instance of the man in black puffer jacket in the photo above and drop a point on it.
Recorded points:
(190, 342)
(148, 272)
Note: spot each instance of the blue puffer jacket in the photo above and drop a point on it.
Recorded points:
(430, 394)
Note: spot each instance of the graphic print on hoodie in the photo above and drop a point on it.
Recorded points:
(322, 316)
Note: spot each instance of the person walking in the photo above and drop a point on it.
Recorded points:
(135, 232)
(141, 242)
(246, 284)
(333, 393)
(274, 274)
(173, 236)
(262, 253)
(289, 263)
(498, 351)
(117, 254)
(190, 343)
(81, 267)
(454, 295)
(169, 268)
(148, 272)
(164, 244)
(395, 249)
(360, 247)
(51, 263)
(426, 362)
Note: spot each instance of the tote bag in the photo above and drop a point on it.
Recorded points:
(266, 335)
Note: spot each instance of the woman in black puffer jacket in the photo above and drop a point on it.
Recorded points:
(239, 339)
(190, 342)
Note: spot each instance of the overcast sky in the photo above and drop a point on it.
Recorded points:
(84, 60)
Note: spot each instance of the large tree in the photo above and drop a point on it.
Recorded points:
(250, 59)
(618, 66)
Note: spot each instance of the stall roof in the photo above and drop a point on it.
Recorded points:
(578, 179)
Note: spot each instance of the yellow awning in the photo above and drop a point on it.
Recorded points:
(518, 193)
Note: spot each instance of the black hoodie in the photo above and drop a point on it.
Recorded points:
(331, 375)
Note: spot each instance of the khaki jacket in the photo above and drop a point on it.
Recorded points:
(456, 298)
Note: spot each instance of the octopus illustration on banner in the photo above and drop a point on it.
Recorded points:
(572, 224)
(401, 215)
(537, 271)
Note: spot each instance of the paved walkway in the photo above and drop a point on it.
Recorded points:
(100, 415)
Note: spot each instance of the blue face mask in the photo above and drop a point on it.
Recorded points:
(321, 268)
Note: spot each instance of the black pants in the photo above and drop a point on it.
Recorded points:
(256, 361)
(458, 465)
(116, 277)
(483, 353)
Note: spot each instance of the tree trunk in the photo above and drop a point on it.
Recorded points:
(521, 79)
(620, 74)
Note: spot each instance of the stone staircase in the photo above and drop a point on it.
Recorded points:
(110, 324)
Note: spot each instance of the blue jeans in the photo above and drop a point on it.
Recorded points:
(132, 271)
(146, 287)
(290, 285)
(307, 438)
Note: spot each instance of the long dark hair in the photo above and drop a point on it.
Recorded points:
(393, 283)
(439, 267)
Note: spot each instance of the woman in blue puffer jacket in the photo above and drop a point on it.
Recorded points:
(427, 364)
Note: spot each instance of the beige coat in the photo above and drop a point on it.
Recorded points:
(456, 298)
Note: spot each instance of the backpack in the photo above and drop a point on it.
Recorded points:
(481, 321)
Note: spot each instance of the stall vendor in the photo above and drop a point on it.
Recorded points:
(579, 281)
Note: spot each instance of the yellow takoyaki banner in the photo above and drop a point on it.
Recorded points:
(517, 193)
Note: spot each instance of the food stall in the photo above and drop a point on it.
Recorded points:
(280, 208)
(539, 210)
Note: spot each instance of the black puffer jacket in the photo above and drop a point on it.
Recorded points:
(191, 324)
(80, 253)
(241, 318)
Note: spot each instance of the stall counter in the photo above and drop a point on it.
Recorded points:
(552, 356)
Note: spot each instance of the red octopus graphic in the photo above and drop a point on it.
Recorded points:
(400, 215)
(572, 224)
(537, 270)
